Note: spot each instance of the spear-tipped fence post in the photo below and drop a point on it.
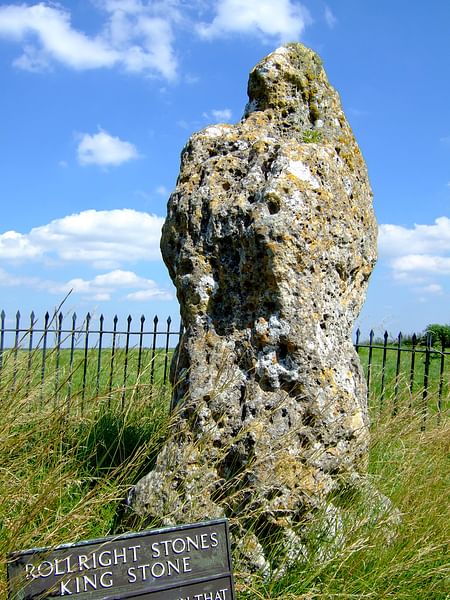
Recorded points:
(2, 337)
(59, 322)
(125, 364)
(383, 367)
(44, 351)
(426, 374)
(397, 372)
(85, 359)
(369, 359)
(166, 355)
(30, 351)
(16, 348)
(72, 351)
(113, 353)
(412, 368)
(152, 368)
(441, 380)
(141, 341)
(99, 356)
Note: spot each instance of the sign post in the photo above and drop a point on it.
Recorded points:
(190, 562)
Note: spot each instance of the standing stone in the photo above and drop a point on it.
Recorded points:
(270, 239)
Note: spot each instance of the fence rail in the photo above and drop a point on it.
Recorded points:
(68, 357)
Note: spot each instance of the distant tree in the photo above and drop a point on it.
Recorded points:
(440, 334)
(411, 339)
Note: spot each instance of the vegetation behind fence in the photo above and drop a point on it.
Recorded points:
(67, 358)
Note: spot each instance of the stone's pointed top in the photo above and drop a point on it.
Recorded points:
(291, 86)
(288, 69)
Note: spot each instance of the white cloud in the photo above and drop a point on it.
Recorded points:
(15, 245)
(152, 292)
(419, 255)
(395, 240)
(422, 263)
(330, 19)
(283, 20)
(139, 36)
(50, 27)
(433, 289)
(10, 280)
(136, 36)
(161, 190)
(183, 124)
(101, 288)
(104, 149)
(104, 239)
(104, 286)
(221, 115)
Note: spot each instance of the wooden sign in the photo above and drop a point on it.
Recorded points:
(190, 562)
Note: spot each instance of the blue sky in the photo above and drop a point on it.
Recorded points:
(98, 97)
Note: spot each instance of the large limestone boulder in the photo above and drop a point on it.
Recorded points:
(270, 239)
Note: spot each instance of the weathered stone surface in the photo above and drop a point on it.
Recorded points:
(270, 239)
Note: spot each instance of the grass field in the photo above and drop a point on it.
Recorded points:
(65, 473)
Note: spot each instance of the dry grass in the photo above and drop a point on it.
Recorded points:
(397, 555)
(64, 473)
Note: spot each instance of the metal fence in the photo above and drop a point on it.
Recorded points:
(67, 357)
(406, 369)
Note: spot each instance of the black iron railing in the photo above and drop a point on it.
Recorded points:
(409, 369)
(64, 357)
(88, 357)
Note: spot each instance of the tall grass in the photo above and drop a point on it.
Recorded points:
(64, 475)
(402, 552)
(64, 471)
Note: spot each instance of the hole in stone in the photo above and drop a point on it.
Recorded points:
(242, 394)
(282, 351)
(265, 385)
(226, 186)
(271, 306)
(273, 206)
(186, 266)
